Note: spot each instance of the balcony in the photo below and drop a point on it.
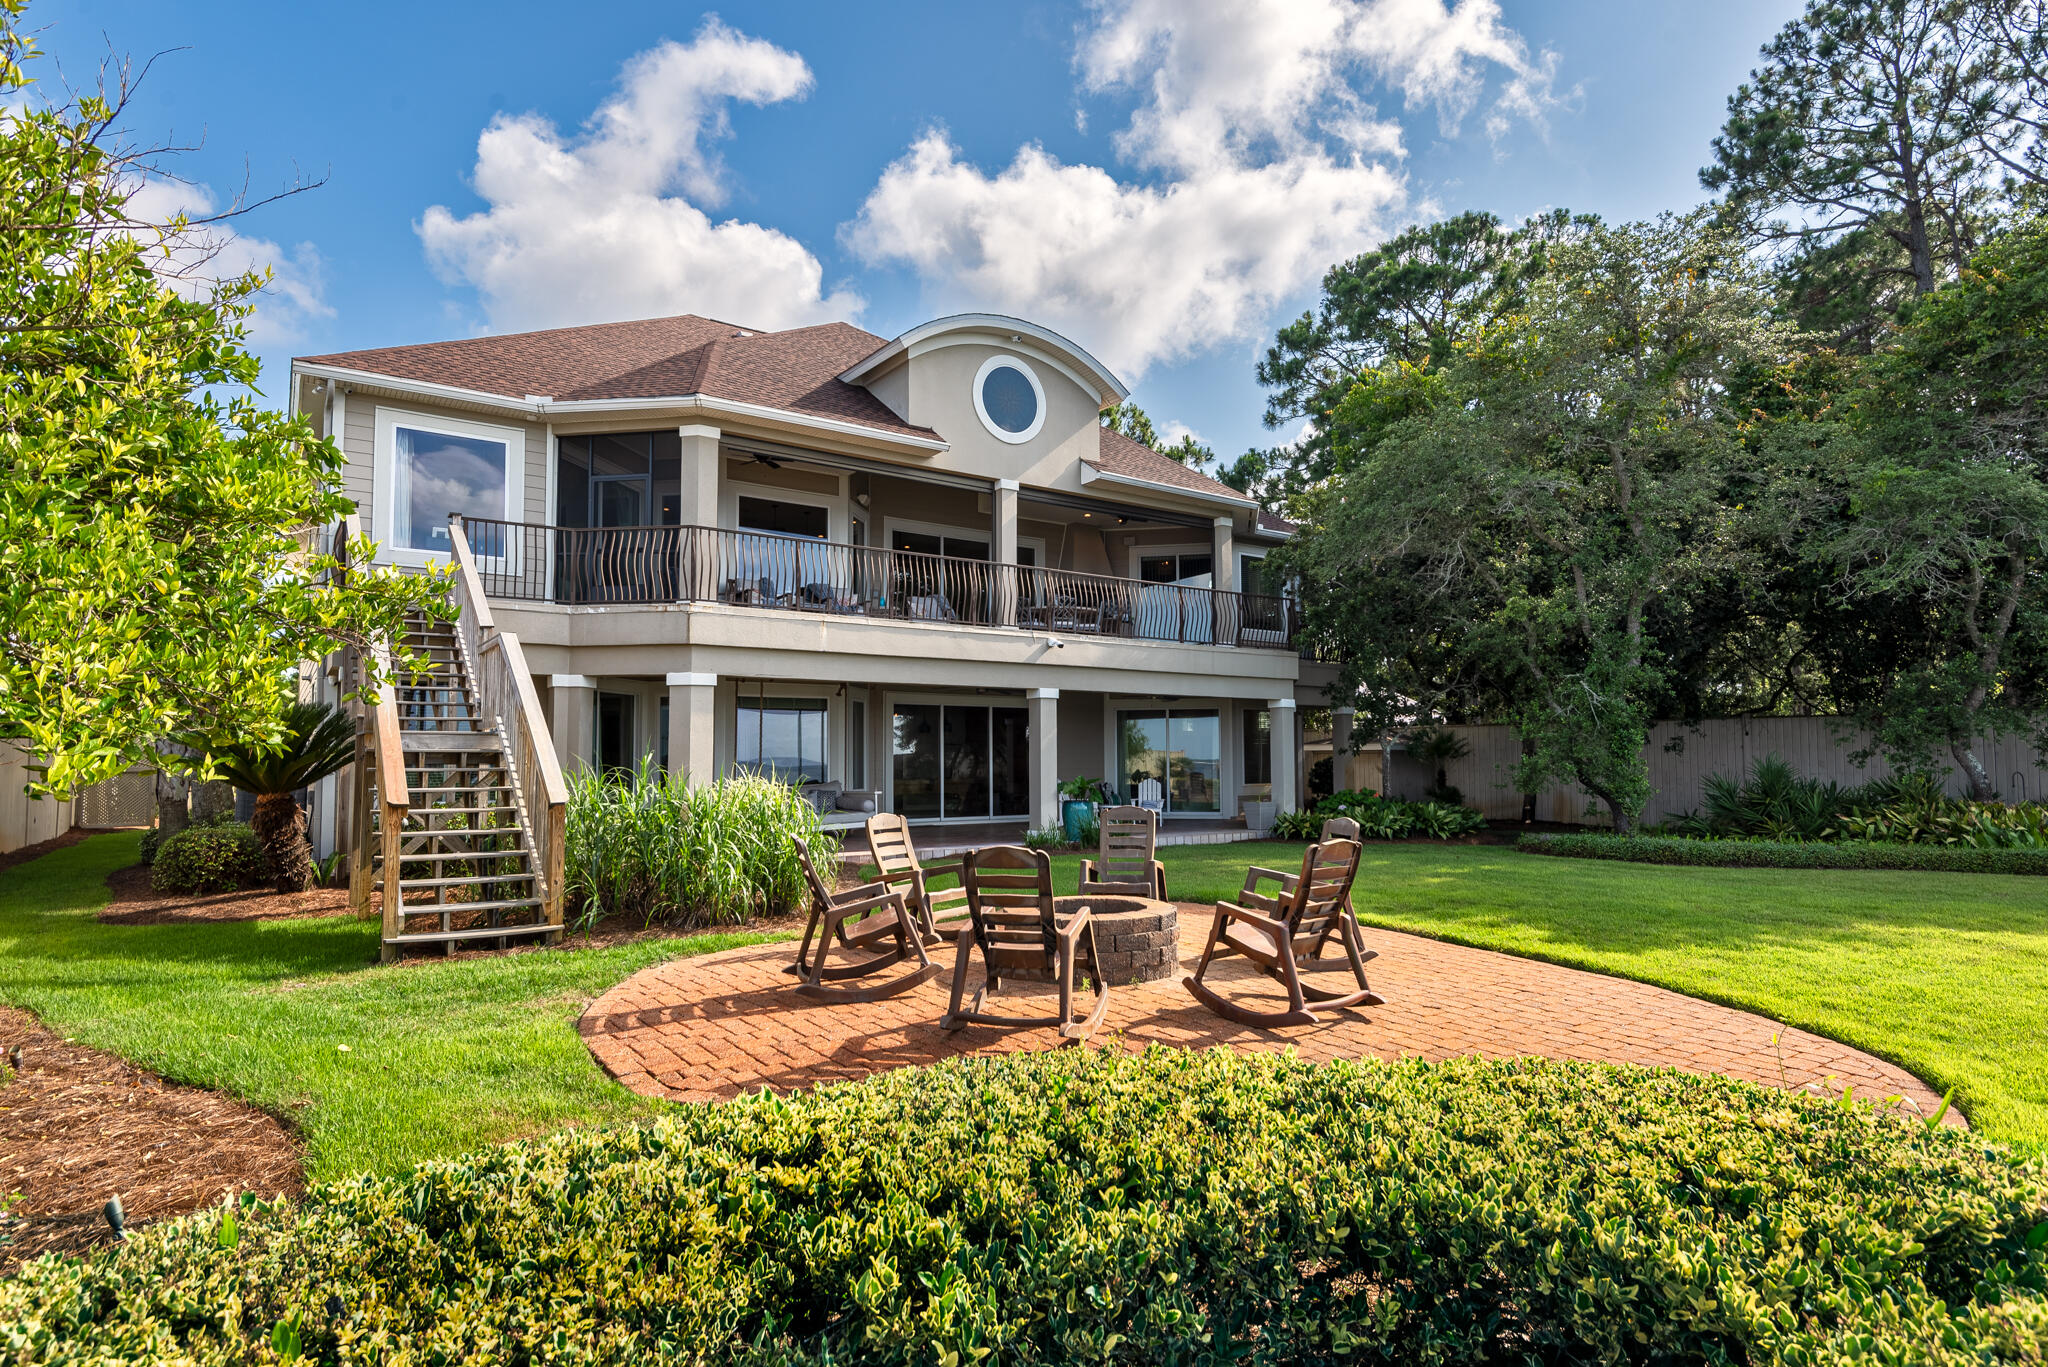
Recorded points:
(532, 562)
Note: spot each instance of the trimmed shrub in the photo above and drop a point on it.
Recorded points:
(1380, 818)
(651, 847)
(1166, 1207)
(210, 859)
(1770, 854)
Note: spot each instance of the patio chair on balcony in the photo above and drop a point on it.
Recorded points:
(1126, 863)
(823, 597)
(1276, 931)
(1013, 921)
(759, 593)
(941, 914)
(877, 914)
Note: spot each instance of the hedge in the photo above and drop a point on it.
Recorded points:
(1164, 1207)
(209, 858)
(1772, 854)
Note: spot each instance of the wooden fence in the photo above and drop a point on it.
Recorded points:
(1681, 757)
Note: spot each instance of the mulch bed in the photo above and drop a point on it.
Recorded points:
(135, 903)
(78, 1126)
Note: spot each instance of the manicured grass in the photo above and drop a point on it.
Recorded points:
(440, 1057)
(1945, 974)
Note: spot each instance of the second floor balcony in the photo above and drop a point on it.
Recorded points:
(618, 566)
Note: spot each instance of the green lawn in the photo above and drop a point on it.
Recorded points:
(1945, 973)
(440, 1057)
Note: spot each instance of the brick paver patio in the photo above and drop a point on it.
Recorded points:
(720, 1025)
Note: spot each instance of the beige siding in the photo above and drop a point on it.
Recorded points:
(1682, 757)
(537, 473)
(359, 444)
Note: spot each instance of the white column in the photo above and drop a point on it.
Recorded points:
(1340, 748)
(1044, 723)
(1286, 756)
(1223, 545)
(692, 729)
(697, 571)
(575, 719)
(1003, 551)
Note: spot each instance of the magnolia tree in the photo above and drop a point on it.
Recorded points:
(154, 593)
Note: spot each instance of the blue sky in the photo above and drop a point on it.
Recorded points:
(1162, 180)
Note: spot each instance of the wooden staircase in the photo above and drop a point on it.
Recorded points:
(466, 870)
(459, 811)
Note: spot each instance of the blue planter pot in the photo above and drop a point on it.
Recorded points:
(1073, 812)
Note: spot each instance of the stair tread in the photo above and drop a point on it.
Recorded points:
(425, 855)
(514, 876)
(488, 933)
(450, 908)
(419, 739)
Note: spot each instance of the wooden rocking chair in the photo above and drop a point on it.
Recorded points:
(1012, 921)
(1276, 931)
(941, 915)
(873, 903)
(1127, 864)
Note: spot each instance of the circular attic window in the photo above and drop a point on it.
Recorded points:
(1009, 399)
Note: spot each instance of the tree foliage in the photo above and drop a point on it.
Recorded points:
(1408, 300)
(1939, 504)
(152, 588)
(1881, 130)
(319, 739)
(1514, 516)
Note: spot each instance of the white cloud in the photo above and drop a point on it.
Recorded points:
(611, 223)
(1262, 163)
(1173, 431)
(194, 261)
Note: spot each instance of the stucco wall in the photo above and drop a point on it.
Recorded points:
(941, 392)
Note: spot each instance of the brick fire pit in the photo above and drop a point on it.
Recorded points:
(1137, 940)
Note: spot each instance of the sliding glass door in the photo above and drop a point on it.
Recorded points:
(1181, 752)
(960, 763)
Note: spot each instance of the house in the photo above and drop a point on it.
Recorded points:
(918, 567)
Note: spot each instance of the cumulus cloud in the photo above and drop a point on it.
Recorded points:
(1258, 159)
(194, 261)
(611, 223)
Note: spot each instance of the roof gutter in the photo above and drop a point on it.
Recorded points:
(543, 409)
(1093, 474)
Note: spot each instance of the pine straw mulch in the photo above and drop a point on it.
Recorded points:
(78, 1126)
(135, 903)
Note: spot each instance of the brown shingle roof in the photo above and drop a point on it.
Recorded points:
(796, 370)
(1134, 460)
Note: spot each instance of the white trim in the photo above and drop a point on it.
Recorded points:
(670, 403)
(571, 681)
(693, 681)
(1230, 522)
(700, 429)
(1009, 485)
(1042, 694)
(1283, 704)
(1092, 473)
(995, 429)
(1109, 388)
(384, 473)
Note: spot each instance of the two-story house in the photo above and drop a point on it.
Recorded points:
(917, 566)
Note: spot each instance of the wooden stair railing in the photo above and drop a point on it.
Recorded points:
(379, 770)
(509, 703)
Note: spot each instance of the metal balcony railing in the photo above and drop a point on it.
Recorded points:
(533, 562)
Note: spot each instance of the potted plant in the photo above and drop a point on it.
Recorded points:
(1078, 799)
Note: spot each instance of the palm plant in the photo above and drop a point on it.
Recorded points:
(318, 740)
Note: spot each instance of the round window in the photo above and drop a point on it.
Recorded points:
(1008, 399)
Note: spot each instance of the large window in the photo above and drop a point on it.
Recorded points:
(1189, 571)
(1181, 751)
(961, 763)
(782, 738)
(440, 469)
